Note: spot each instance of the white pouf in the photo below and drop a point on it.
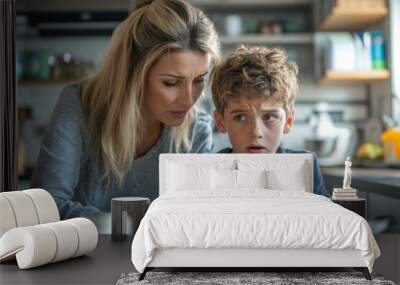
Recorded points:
(40, 244)
(31, 230)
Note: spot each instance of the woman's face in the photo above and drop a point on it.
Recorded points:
(174, 84)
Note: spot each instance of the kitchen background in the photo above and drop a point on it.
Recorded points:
(346, 98)
(348, 53)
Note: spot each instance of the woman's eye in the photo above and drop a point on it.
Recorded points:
(170, 83)
(239, 118)
(199, 81)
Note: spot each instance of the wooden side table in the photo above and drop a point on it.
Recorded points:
(358, 206)
(124, 209)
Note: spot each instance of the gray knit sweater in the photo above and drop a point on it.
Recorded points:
(66, 169)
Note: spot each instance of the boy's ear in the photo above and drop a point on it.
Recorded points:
(288, 123)
(219, 122)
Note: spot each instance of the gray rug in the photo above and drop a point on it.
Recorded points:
(269, 278)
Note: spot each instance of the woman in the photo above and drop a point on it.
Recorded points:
(107, 132)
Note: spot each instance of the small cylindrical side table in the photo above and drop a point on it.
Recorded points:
(124, 210)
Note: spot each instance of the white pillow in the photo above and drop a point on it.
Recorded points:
(227, 179)
(288, 174)
(251, 178)
(293, 180)
(183, 177)
(223, 179)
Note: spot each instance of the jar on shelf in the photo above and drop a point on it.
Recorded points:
(233, 25)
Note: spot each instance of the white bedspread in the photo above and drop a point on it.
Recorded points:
(250, 219)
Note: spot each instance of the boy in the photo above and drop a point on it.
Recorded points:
(253, 91)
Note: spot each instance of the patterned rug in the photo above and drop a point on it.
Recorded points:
(242, 278)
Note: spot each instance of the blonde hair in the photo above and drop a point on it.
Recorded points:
(113, 97)
(265, 71)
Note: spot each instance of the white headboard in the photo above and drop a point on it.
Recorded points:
(283, 164)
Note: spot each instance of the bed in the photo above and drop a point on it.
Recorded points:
(245, 211)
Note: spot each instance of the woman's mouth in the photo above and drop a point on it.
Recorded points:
(256, 149)
(178, 114)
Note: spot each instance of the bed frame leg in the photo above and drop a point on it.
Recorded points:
(364, 271)
(143, 274)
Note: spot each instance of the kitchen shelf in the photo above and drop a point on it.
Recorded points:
(283, 39)
(354, 77)
(353, 19)
(48, 82)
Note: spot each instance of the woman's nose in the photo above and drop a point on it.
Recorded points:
(186, 97)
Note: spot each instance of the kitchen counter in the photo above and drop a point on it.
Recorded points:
(382, 181)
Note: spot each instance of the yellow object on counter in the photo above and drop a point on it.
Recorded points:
(391, 144)
(370, 151)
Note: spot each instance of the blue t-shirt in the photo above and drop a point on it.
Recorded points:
(319, 186)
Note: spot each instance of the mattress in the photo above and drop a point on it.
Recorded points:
(250, 219)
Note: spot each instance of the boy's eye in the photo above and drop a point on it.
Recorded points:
(271, 119)
(240, 118)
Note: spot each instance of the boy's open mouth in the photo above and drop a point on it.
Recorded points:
(256, 149)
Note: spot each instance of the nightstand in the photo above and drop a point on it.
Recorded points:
(127, 211)
(358, 206)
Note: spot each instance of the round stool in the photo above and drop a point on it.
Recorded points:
(126, 214)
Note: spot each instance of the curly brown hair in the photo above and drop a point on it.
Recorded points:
(265, 72)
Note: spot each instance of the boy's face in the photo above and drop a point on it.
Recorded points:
(254, 125)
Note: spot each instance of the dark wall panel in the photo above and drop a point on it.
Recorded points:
(8, 140)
